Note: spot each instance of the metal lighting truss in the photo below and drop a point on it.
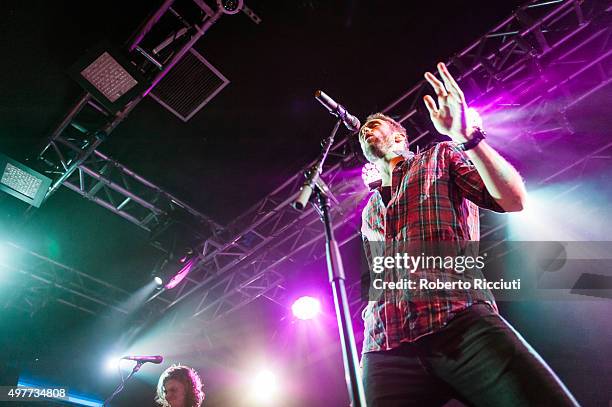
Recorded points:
(243, 263)
(231, 273)
(41, 280)
(72, 159)
(239, 263)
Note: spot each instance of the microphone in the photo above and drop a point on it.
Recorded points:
(144, 359)
(351, 122)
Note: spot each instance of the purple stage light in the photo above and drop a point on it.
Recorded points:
(306, 308)
(183, 272)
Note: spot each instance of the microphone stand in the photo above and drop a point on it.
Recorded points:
(337, 278)
(123, 381)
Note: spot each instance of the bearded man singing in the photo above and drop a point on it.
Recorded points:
(425, 350)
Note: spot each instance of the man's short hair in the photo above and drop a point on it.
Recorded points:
(395, 125)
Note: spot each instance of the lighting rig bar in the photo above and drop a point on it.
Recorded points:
(71, 157)
(240, 265)
(117, 188)
(42, 280)
(277, 233)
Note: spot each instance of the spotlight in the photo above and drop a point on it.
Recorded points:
(264, 387)
(230, 6)
(181, 274)
(23, 182)
(108, 76)
(306, 308)
(559, 212)
(112, 363)
(172, 271)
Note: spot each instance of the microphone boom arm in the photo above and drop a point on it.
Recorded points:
(312, 175)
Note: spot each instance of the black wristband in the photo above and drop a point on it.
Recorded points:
(477, 136)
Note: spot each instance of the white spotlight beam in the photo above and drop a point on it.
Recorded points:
(47, 280)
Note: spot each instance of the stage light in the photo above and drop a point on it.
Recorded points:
(264, 387)
(108, 76)
(173, 271)
(558, 212)
(370, 175)
(532, 223)
(473, 118)
(22, 182)
(230, 6)
(306, 308)
(181, 274)
(112, 364)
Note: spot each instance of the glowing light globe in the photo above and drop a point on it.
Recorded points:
(306, 308)
(112, 363)
(264, 387)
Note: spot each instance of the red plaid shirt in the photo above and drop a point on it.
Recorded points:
(434, 197)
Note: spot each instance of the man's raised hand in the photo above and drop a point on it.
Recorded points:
(449, 116)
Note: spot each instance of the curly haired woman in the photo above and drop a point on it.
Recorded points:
(179, 386)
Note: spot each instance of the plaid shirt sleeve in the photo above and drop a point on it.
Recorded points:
(467, 179)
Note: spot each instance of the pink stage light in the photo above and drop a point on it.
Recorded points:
(180, 276)
(306, 308)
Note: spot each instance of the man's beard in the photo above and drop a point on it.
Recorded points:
(375, 151)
